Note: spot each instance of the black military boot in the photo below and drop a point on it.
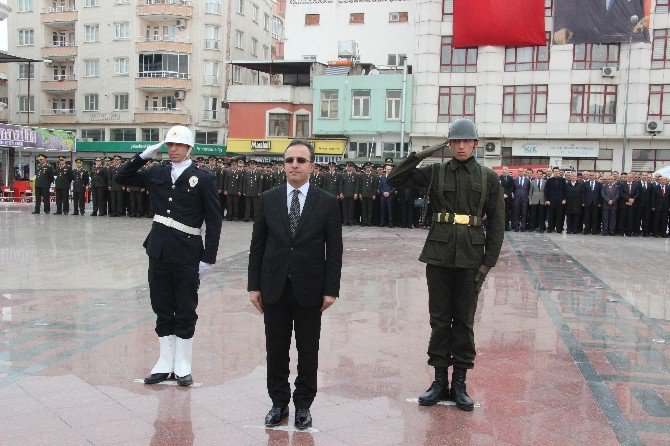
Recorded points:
(458, 393)
(439, 390)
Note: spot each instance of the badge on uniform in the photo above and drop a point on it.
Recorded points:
(193, 181)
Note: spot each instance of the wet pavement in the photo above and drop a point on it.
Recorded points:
(572, 336)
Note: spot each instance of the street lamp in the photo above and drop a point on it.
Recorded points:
(634, 20)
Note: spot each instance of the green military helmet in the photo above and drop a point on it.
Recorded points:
(462, 129)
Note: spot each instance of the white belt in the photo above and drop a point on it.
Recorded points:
(170, 223)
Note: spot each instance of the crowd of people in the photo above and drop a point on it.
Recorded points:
(625, 204)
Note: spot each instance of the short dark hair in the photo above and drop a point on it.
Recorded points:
(302, 142)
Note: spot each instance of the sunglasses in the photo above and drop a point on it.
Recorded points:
(300, 160)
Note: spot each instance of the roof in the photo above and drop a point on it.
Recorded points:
(8, 58)
(277, 66)
(337, 70)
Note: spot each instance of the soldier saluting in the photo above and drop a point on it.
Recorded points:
(458, 252)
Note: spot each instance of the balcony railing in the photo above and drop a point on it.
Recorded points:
(163, 110)
(59, 111)
(59, 9)
(60, 43)
(210, 115)
(211, 44)
(61, 77)
(176, 39)
(211, 79)
(163, 74)
(164, 2)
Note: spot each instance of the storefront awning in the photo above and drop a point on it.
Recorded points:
(9, 58)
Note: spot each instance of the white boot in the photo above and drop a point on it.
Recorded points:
(182, 359)
(165, 362)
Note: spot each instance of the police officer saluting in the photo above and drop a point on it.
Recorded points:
(183, 197)
(458, 253)
(79, 184)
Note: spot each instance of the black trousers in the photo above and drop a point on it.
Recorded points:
(508, 212)
(62, 200)
(348, 208)
(591, 222)
(406, 214)
(281, 318)
(79, 201)
(233, 206)
(573, 223)
(250, 206)
(108, 199)
(136, 207)
(100, 200)
(222, 202)
(556, 216)
(537, 217)
(609, 220)
(386, 209)
(452, 302)
(118, 202)
(625, 219)
(661, 222)
(173, 289)
(643, 219)
(366, 211)
(520, 211)
(42, 194)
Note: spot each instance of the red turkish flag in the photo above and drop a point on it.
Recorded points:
(499, 23)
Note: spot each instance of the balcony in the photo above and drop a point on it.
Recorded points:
(170, 44)
(60, 83)
(164, 9)
(59, 116)
(59, 14)
(162, 80)
(60, 51)
(163, 115)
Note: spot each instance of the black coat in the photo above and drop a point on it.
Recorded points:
(191, 200)
(313, 258)
(63, 176)
(44, 175)
(645, 196)
(591, 196)
(556, 189)
(573, 204)
(508, 186)
(661, 202)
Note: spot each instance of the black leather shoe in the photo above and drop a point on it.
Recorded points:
(156, 378)
(58, 213)
(276, 414)
(184, 380)
(94, 214)
(458, 393)
(303, 419)
(436, 390)
(35, 212)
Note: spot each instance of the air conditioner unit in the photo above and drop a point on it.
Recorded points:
(394, 16)
(181, 23)
(180, 94)
(492, 148)
(609, 71)
(654, 126)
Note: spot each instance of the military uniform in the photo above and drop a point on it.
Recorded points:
(233, 188)
(117, 189)
(252, 184)
(349, 182)
(100, 182)
(278, 178)
(63, 181)
(366, 188)
(332, 183)
(316, 179)
(80, 179)
(44, 176)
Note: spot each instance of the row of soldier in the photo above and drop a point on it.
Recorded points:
(626, 204)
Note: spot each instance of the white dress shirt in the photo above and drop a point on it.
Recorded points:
(178, 169)
(302, 196)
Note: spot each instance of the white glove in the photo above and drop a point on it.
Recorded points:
(203, 269)
(151, 151)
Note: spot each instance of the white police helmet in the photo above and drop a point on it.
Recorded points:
(180, 135)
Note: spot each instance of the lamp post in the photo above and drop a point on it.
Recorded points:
(634, 20)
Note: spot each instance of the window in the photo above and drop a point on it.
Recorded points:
(211, 73)
(93, 134)
(92, 3)
(362, 149)
(662, 6)
(206, 137)
(266, 52)
(528, 58)
(239, 39)
(211, 37)
(25, 5)
(589, 56)
(650, 160)
(266, 22)
(447, 10)
(254, 47)
(121, 2)
(659, 101)
(213, 6)
(525, 103)
(457, 60)
(122, 30)
(397, 60)
(593, 103)
(121, 101)
(91, 33)
(356, 18)
(360, 104)
(121, 66)
(278, 124)
(301, 126)
(26, 37)
(277, 28)
(254, 13)
(210, 111)
(163, 65)
(312, 19)
(91, 102)
(309, 57)
(456, 102)
(91, 67)
(329, 104)
(393, 102)
(237, 75)
(25, 105)
(150, 135)
(239, 6)
(548, 7)
(23, 71)
(392, 150)
(160, 103)
(122, 134)
(660, 52)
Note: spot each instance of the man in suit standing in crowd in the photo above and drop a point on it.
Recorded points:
(295, 264)
(387, 197)
(573, 203)
(642, 219)
(609, 194)
(661, 203)
(591, 203)
(507, 183)
(521, 195)
(555, 193)
(630, 193)
(536, 202)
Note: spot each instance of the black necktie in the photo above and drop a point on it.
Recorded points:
(294, 213)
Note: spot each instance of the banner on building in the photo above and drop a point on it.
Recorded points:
(38, 139)
(561, 149)
(499, 23)
(139, 146)
(601, 21)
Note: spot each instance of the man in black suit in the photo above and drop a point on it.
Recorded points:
(555, 194)
(521, 197)
(642, 217)
(573, 203)
(630, 193)
(295, 264)
(507, 183)
(661, 203)
(591, 203)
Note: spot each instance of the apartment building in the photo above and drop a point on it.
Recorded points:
(127, 70)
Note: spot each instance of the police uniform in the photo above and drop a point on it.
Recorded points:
(62, 184)
(100, 182)
(332, 182)
(80, 179)
(44, 176)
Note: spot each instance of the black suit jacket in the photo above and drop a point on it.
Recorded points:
(591, 22)
(661, 202)
(645, 196)
(508, 185)
(522, 193)
(313, 258)
(590, 197)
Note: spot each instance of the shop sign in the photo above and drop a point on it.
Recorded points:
(563, 149)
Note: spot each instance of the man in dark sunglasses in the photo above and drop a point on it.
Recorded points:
(295, 264)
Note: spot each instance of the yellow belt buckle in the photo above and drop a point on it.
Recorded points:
(440, 217)
(460, 219)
